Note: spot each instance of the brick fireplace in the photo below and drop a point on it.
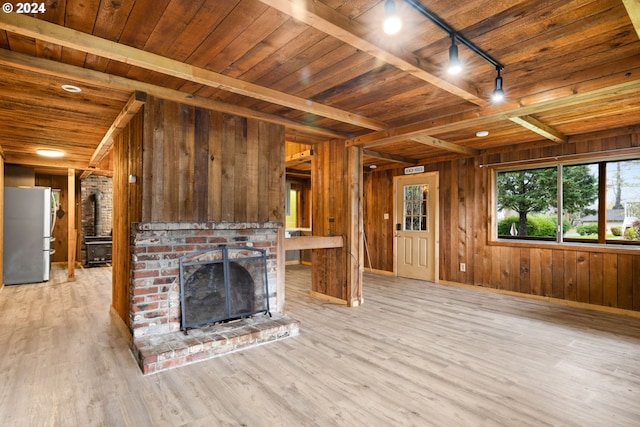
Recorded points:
(158, 343)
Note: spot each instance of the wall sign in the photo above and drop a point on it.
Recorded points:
(413, 169)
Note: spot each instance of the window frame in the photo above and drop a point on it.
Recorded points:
(559, 241)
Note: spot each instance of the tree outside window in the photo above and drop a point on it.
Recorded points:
(527, 202)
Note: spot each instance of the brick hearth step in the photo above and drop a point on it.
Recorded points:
(156, 353)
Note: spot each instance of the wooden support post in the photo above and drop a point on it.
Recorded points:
(354, 226)
(71, 217)
(280, 268)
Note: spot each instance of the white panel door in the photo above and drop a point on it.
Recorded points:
(416, 226)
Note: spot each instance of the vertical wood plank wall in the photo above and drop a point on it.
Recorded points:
(202, 165)
(329, 217)
(192, 165)
(594, 275)
(127, 196)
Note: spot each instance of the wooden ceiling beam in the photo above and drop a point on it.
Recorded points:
(477, 119)
(633, 9)
(130, 109)
(297, 158)
(540, 128)
(323, 18)
(391, 157)
(36, 161)
(45, 66)
(66, 37)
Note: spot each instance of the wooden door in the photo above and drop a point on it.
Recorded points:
(416, 226)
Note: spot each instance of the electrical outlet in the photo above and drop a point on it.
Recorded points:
(463, 267)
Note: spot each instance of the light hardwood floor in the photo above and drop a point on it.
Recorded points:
(415, 353)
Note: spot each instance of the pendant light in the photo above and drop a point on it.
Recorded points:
(455, 66)
(392, 23)
(498, 92)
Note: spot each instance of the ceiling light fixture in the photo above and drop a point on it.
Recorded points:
(498, 92)
(482, 133)
(455, 66)
(453, 49)
(71, 88)
(50, 153)
(392, 23)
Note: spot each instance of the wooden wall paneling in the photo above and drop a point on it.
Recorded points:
(241, 182)
(570, 265)
(482, 266)
(511, 271)
(171, 161)
(379, 232)
(464, 225)
(134, 134)
(154, 142)
(201, 161)
(495, 280)
(535, 271)
(274, 138)
(446, 255)
(329, 194)
(525, 271)
(339, 196)
(263, 180)
(251, 168)
(610, 285)
(457, 217)
(470, 219)
(625, 282)
(635, 280)
(582, 276)
(127, 205)
(214, 173)
(557, 266)
(229, 125)
(596, 278)
(546, 272)
(185, 143)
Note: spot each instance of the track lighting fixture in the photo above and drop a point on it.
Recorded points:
(498, 92)
(455, 66)
(392, 23)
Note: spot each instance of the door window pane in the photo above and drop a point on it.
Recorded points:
(416, 211)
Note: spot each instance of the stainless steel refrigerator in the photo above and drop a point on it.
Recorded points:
(27, 235)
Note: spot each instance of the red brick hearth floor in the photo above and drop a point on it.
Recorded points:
(156, 353)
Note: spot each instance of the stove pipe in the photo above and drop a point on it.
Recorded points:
(97, 200)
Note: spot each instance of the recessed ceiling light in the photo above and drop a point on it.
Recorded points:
(50, 153)
(373, 166)
(71, 88)
(482, 133)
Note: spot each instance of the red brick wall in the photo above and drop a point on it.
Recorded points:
(155, 252)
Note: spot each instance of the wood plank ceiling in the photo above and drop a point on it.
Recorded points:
(322, 68)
